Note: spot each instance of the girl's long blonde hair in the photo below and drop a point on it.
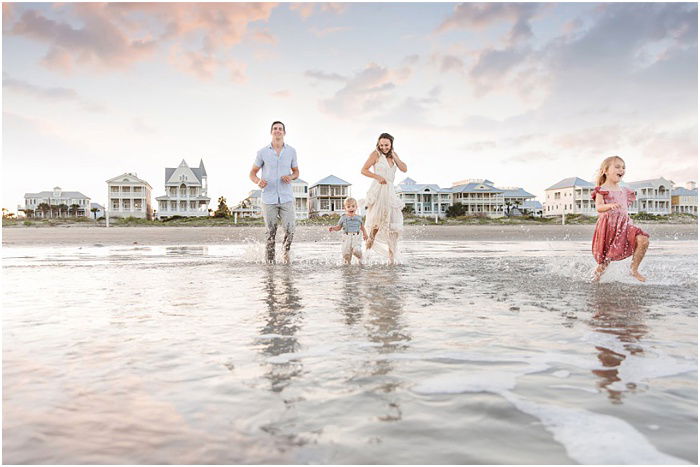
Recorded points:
(600, 176)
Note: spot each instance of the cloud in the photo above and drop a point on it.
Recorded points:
(330, 30)
(264, 37)
(11, 85)
(323, 76)
(482, 15)
(305, 10)
(107, 36)
(138, 125)
(366, 91)
(284, 93)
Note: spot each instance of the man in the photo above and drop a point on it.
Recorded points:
(278, 162)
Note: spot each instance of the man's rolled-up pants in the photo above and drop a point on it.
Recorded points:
(275, 214)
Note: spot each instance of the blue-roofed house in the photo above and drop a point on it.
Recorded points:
(426, 199)
(185, 192)
(251, 206)
(327, 195)
(685, 200)
(569, 196)
(653, 196)
(514, 199)
(479, 197)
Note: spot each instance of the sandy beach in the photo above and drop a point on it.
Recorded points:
(82, 235)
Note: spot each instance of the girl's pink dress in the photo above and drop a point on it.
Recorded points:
(615, 236)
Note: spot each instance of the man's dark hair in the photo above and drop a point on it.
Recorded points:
(275, 123)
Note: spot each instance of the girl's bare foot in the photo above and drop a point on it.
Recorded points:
(599, 271)
(638, 276)
(369, 242)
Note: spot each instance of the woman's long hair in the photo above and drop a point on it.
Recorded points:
(600, 176)
(391, 139)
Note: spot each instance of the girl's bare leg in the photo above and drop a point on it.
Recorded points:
(599, 271)
(638, 256)
(347, 259)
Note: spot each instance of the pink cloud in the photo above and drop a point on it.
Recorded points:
(305, 10)
(117, 35)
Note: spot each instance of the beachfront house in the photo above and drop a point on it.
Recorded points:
(653, 196)
(129, 196)
(99, 211)
(251, 206)
(479, 197)
(685, 200)
(327, 195)
(532, 208)
(185, 192)
(56, 203)
(427, 200)
(569, 196)
(300, 188)
(516, 201)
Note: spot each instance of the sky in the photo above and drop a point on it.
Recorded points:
(523, 94)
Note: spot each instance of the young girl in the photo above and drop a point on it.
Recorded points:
(615, 236)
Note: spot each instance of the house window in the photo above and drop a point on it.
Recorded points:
(325, 204)
(173, 205)
(115, 189)
(126, 189)
(115, 204)
(193, 191)
(126, 204)
(138, 205)
(137, 189)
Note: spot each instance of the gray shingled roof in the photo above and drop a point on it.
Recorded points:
(331, 180)
(571, 182)
(198, 172)
(681, 191)
(474, 188)
(518, 193)
(421, 187)
(49, 194)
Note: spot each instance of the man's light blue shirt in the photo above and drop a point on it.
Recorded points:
(273, 168)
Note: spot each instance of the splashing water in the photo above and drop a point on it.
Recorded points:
(205, 354)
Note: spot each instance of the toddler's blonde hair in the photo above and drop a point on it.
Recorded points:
(600, 176)
(348, 201)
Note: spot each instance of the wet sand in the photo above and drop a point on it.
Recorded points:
(82, 235)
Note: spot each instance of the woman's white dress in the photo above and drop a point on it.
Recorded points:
(384, 210)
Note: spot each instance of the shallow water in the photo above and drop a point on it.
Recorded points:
(467, 352)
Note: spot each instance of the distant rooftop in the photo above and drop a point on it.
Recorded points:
(571, 182)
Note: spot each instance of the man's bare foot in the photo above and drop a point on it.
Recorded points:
(638, 276)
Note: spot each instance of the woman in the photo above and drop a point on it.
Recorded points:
(384, 219)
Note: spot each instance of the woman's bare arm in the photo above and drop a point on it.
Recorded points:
(371, 160)
(399, 163)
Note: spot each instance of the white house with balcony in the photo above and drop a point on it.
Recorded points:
(251, 206)
(129, 196)
(653, 196)
(517, 201)
(56, 203)
(569, 196)
(300, 188)
(479, 197)
(185, 192)
(428, 200)
(327, 195)
(685, 200)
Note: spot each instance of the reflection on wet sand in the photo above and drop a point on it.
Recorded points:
(384, 326)
(282, 321)
(617, 314)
